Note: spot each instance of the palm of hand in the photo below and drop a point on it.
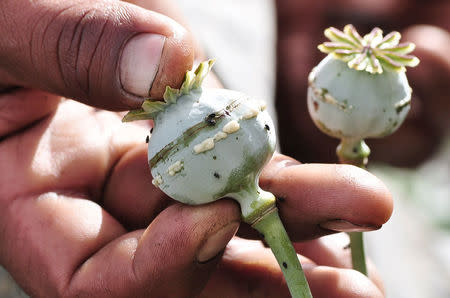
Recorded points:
(55, 176)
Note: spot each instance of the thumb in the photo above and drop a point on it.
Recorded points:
(174, 257)
(108, 54)
(179, 250)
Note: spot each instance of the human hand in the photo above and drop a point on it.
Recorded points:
(79, 215)
(109, 54)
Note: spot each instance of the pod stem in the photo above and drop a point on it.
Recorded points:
(358, 254)
(274, 234)
(355, 152)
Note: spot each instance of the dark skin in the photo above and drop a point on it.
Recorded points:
(78, 213)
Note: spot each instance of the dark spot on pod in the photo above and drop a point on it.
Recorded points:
(237, 138)
(214, 157)
(347, 246)
(285, 265)
(151, 130)
(216, 175)
(355, 150)
(316, 105)
(400, 108)
(267, 127)
(147, 139)
(281, 199)
(211, 119)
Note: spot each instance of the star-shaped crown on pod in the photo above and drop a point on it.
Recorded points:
(372, 53)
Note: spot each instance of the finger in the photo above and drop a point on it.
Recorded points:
(334, 251)
(172, 10)
(129, 193)
(316, 199)
(20, 107)
(250, 270)
(109, 54)
(430, 79)
(130, 196)
(172, 258)
(53, 251)
(46, 238)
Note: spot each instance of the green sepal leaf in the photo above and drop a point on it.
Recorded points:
(138, 114)
(201, 72)
(192, 81)
(187, 84)
(153, 107)
(171, 95)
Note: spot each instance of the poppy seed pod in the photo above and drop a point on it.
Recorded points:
(360, 90)
(208, 144)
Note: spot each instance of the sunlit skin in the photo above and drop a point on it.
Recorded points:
(79, 215)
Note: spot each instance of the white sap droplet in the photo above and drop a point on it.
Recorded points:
(231, 127)
(220, 136)
(175, 168)
(157, 181)
(250, 114)
(206, 145)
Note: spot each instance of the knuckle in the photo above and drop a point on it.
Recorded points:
(76, 47)
(81, 42)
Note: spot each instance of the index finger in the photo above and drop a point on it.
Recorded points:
(318, 199)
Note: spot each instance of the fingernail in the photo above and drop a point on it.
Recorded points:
(278, 163)
(140, 62)
(340, 225)
(217, 242)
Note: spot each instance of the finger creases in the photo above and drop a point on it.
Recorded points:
(313, 194)
(75, 49)
(55, 251)
(182, 245)
(161, 261)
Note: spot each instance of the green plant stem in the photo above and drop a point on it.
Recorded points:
(358, 254)
(355, 152)
(274, 234)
